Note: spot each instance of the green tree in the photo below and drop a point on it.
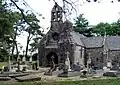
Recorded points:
(82, 26)
(101, 29)
(33, 32)
(8, 20)
(30, 24)
(116, 27)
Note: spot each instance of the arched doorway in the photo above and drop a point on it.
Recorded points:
(49, 59)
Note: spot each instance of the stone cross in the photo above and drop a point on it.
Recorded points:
(24, 59)
(30, 59)
(9, 64)
(38, 61)
(89, 60)
(18, 60)
(67, 61)
(53, 63)
(109, 64)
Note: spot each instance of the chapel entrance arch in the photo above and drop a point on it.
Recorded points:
(49, 58)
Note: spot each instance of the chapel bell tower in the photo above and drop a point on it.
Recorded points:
(56, 18)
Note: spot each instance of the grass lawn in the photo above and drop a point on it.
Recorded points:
(83, 82)
(2, 64)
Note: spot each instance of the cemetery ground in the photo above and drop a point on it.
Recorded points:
(113, 81)
(54, 80)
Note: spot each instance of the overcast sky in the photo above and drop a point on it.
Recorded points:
(94, 12)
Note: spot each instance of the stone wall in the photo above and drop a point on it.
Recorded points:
(96, 56)
(79, 55)
(114, 56)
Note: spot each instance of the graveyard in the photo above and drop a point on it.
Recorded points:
(64, 56)
(23, 73)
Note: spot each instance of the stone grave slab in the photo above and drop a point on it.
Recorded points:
(70, 74)
(18, 75)
(57, 72)
(41, 69)
(3, 75)
(7, 73)
(115, 68)
(28, 78)
(51, 73)
(5, 78)
(31, 71)
(111, 73)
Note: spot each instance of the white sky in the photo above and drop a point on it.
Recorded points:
(94, 12)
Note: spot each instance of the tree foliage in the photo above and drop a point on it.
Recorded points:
(15, 20)
(8, 19)
(33, 32)
(82, 26)
(30, 23)
(103, 29)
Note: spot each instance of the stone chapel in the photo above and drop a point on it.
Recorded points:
(62, 41)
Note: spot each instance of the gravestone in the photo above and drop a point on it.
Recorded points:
(111, 73)
(30, 61)
(38, 61)
(67, 72)
(23, 60)
(52, 68)
(115, 68)
(67, 63)
(18, 62)
(9, 64)
(89, 60)
(77, 67)
(109, 64)
(115, 65)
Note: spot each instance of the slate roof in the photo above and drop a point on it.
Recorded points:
(113, 42)
(93, 42)
(77, 38)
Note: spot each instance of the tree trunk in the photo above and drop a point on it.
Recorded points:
(14, 43)
(28, 40)
(17, 53)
